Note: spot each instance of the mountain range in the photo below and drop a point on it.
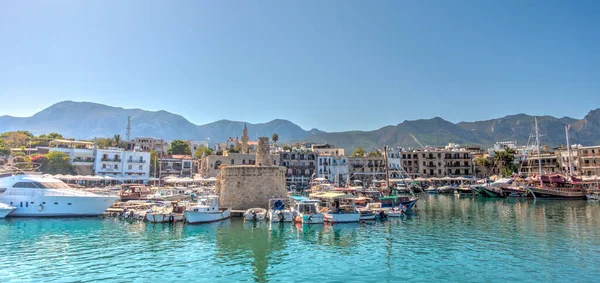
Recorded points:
(85, 120)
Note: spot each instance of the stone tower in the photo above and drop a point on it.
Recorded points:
(245, 139)
(263, 152)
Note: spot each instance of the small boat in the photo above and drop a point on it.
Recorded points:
(207, 210)
(165, 212)
(5, 210)
(174, 194)
(307, 210)
(432, 190)
(401, 202)
(255, 214)
(366, 214)
(396, 211)
(278, 212)
(464, 192)
(590, 196)
(488, 191)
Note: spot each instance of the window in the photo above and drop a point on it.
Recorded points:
(103, 166)
(130, 167)
(141, 167)
(116, 166)
(232, 161)
(243, 161)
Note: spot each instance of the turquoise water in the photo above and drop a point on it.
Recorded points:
(449, 240)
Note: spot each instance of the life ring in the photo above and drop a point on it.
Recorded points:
(40, 208)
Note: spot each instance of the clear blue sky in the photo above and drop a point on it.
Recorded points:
(333, 65)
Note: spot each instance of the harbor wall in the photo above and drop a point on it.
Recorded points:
(244, 187)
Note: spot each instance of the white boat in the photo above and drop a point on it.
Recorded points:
(5, 210)
(41, 196)
(207, 210)
(341, 207)
(396, 212)
(306, 210)
(173, 194)
(165, 212)
(255, 214)
(278, 211)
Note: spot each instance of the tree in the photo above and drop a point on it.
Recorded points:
(275, 138)
(287, 148)
(505, 161)
(375, 153)
(359, 152)
(203, 150)
(485, 163)
(154, 162)
(116, 140)
(4, 149)
(104, 142)
(179, 147)
(58, 163)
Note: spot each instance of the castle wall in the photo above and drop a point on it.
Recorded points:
(244, 187)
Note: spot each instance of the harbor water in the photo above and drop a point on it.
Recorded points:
(450, 239)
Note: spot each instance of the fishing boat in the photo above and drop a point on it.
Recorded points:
(464, 192)
(134, 192)
(306, 210)
(5, 210)
(278, 211)
(206, 210)
(165, 212)
(255, 214)
(488, 191)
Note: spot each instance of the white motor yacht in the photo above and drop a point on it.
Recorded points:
(38, 196)
(278, 212)
(207, 210)
(307, 211)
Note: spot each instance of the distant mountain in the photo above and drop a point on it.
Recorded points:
(439, 132)
(85, 120)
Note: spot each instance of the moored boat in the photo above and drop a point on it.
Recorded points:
(307, 210)
(165, 212)
(255, 214)
(278, 211)
(206, 210)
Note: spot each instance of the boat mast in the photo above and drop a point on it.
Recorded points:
(537, 141)
(569, 151)
(387, 171)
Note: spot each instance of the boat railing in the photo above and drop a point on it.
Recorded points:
(45, 192)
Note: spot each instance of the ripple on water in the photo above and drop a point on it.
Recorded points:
(450, 239)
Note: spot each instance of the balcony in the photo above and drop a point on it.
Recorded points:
(136, 161)
(81, 160)
(111, 159)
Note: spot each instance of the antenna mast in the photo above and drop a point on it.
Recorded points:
(128, 133)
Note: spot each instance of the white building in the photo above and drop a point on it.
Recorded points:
(195, 145)
(80, 152)
(122, 165)
(333, 167)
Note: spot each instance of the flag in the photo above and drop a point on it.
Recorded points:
(569, 127)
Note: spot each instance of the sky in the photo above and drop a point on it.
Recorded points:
(333, 65)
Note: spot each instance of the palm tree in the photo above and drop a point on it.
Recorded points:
(275, 138)
(116, 140)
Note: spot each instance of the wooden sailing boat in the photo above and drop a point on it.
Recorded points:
(555, 186)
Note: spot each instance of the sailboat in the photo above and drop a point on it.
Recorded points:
(555, 186)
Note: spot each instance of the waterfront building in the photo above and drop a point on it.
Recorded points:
(366, 169)
(210, 166)
(550, 163)
(300, 165)
(122, 165)
(333, 167)
(149, 144)
(327, 149)
(195, 145)
(589, 160)
(81, 154)
(178, 165)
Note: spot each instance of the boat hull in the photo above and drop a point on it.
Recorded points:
(312, 218)
(60, 206)
(342, 217)
(193, 217)
(5, 211)
(163, 218)
(280, 216)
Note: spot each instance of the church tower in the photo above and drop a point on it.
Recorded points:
(245, 139)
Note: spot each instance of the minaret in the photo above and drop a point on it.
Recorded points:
(245, 139)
